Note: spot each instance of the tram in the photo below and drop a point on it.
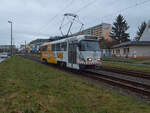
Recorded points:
(77, 52)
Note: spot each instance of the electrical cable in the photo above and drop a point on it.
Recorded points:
(53, 18)
(93, 1)
(124, 9)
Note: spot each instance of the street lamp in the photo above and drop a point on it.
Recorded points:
(11, 49)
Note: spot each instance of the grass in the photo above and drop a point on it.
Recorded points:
(30, 87)
(148, 63)
(119, 60)
(141, 68)
(34, 54)
(125, 60)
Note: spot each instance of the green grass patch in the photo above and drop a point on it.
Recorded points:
(119, 60)
(125, 60)
(34, 55)
(148, 63)
(135, 67)
(30, 87)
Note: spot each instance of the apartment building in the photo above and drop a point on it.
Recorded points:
(101, 30)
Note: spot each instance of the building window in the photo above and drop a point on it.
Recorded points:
(126, 51)
(113, 51)
(118, 51)
(44, 48)
(53, 47)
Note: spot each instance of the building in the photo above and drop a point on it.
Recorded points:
(34, 46)
(134, 49)
(6, 48)
(101, 30)
(39, 41)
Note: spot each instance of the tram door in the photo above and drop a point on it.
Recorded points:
(72, 53)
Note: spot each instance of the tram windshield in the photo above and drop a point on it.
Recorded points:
(87, 45)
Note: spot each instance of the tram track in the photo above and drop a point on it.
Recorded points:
(136, 87)
(142, 89)
(128, 72)
(125, 81)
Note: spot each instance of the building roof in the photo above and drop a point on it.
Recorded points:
(131, 43)
(38, 41)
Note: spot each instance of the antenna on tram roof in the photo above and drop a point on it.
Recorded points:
(74, 18)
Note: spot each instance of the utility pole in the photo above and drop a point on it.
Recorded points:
(25, 46)
(11, 46)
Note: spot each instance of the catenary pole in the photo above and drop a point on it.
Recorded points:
(11, 46)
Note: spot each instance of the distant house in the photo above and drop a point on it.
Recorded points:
(6, 48)
(35, 44)
(36, 47)
(134, 49)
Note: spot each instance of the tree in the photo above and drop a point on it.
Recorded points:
(140, 31)
(119, 29)
(106, 44)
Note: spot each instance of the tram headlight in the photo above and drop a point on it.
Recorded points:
(99, 59)
(89, 59)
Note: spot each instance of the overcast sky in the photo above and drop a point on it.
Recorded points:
(41, 18)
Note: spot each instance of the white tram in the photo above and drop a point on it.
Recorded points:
(78, 52)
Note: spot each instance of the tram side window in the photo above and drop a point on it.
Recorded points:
(44, 48)
(53, 47)
(58, 47)
(64, 46)
(49, 48)
(41, 48)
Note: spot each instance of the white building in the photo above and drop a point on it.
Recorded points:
(134, 49)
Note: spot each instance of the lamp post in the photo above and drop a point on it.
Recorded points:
(11, 48)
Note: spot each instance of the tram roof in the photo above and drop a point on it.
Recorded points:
(79, 37)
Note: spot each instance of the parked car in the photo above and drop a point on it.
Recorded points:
(3, 55)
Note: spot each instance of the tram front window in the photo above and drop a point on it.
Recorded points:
(87, 45)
